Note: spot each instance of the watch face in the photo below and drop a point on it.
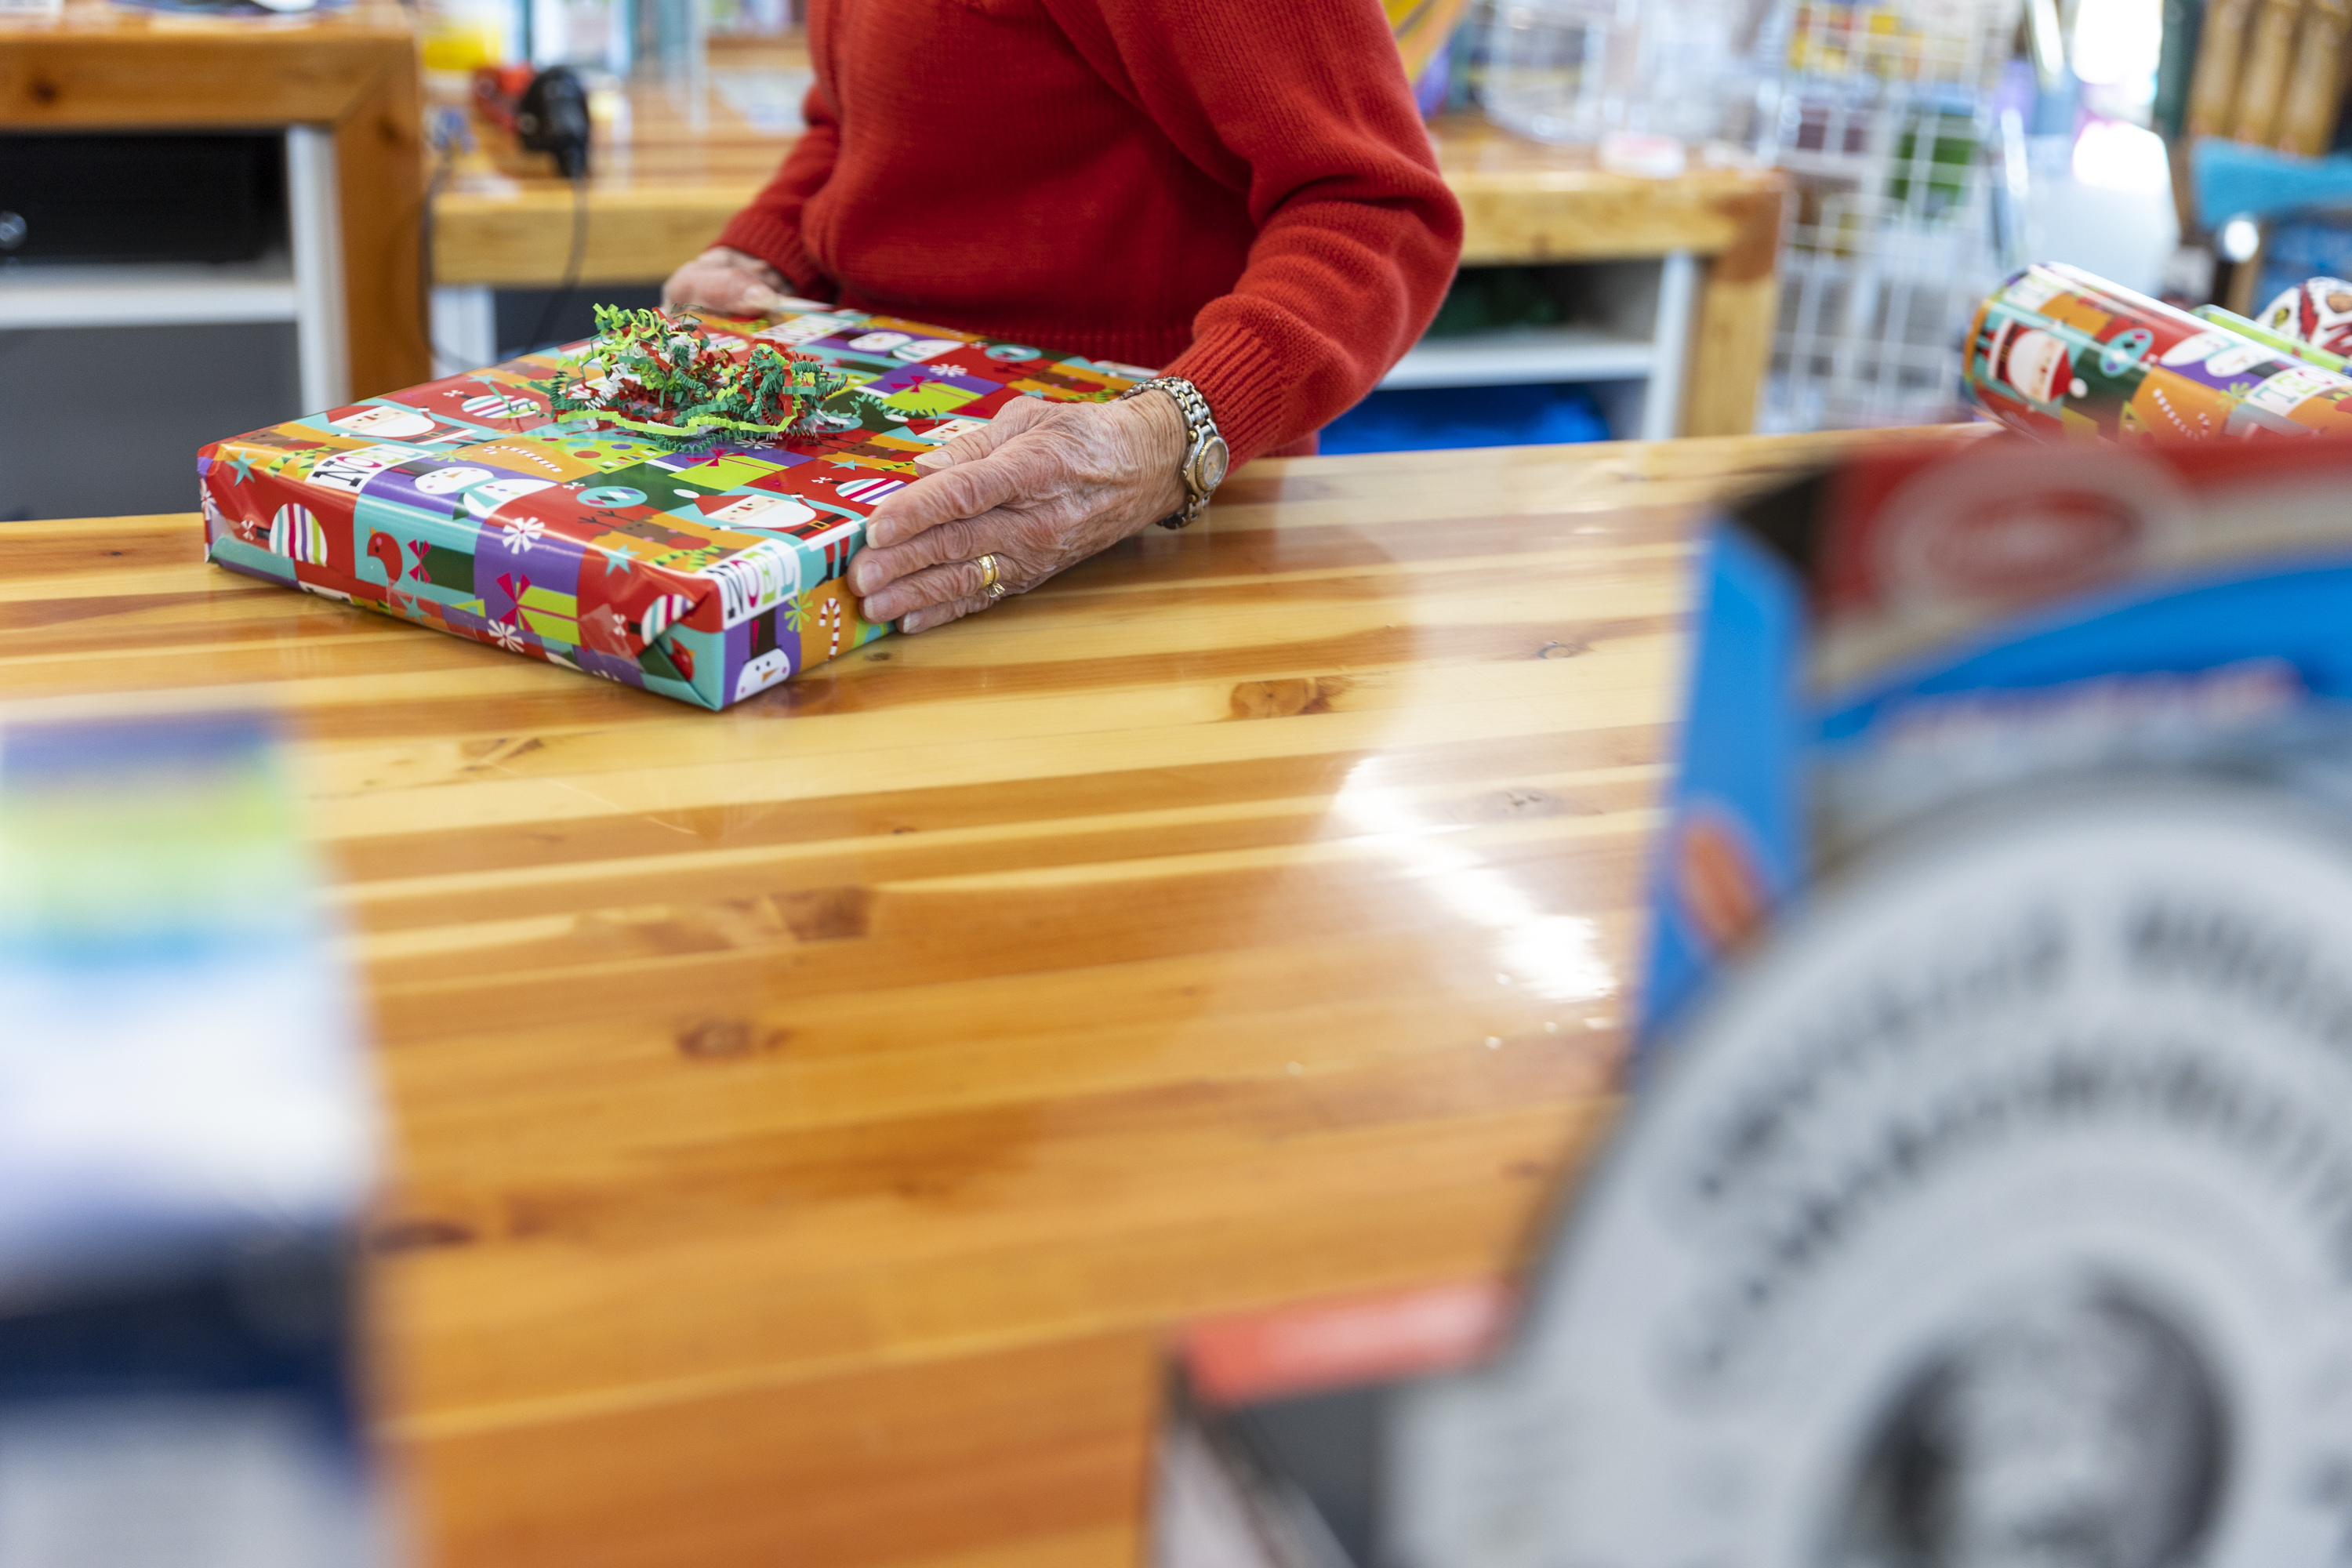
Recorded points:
(1209, 468)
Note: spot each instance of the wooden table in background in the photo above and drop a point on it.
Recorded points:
(99, 68)
(662, 191)
(813, 1117)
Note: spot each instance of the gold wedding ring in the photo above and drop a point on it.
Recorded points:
(987, 564)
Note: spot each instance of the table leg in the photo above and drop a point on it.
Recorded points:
(313, 209)
(1738, 305)
(1661, 407)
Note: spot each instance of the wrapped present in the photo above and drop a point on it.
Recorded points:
(2058, 352)
(532, 507)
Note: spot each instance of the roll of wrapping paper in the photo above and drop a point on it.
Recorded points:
(2056, 351)
(2310, 353)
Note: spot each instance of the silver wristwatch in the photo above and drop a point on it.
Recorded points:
(1206, 455)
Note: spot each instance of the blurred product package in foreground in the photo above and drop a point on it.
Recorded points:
(187, 1136)
(1985, 1196)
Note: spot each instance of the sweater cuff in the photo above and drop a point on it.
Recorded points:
(757, 232)
(1241, 380)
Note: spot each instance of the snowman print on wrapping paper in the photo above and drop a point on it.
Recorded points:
(2224, 360)
(441, 482)
(481, 500)
(477, 491)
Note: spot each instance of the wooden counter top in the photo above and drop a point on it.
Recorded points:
(811, 1117)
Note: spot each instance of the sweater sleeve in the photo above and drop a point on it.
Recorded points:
(1304, 109)
(769, 228)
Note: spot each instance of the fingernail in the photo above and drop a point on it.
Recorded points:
(877, 609)
(929, 461)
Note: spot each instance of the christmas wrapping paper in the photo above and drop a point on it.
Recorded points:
(2057, 352)
(707, 574)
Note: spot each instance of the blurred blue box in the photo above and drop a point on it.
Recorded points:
(187, 1138)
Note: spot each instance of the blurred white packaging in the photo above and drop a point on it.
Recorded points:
(1573, 71)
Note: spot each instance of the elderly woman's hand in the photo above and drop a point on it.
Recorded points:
(728, 280)
(1045, 486)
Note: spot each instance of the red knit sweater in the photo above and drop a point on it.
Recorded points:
(1239, 191)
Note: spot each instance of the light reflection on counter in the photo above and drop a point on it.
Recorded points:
(1557, 957)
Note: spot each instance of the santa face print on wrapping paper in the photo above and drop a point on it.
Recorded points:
(388, 423)
(2033, 363)
(947, 431)
(779, 513)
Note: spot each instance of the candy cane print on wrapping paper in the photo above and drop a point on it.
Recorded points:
(829, 615)
(665, 611)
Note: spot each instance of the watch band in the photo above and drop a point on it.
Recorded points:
(1206, 454)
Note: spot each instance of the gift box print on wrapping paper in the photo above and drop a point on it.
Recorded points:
(707, 575)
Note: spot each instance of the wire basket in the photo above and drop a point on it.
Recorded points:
(1909, 189)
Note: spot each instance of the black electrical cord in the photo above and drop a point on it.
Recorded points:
(562, 298)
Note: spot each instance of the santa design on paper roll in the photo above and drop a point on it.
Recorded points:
(2033, 363)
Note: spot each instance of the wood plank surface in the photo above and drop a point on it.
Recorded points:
(811, 1117)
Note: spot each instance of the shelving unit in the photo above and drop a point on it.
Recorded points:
(146, 294)
(1610, 350)
(302, 284)
(1518, 356)
(343, 91)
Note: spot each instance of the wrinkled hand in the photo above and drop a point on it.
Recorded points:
(1045, 486)
(729, 281)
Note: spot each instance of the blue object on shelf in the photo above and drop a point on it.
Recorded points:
(2303, 249)
(1431, 418)
(2232, 179)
